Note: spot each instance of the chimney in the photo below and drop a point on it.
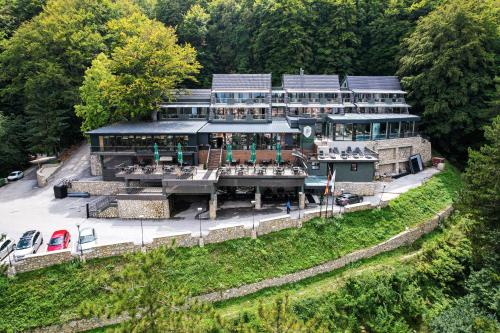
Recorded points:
(301, 71)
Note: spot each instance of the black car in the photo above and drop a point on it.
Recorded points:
(348, 199)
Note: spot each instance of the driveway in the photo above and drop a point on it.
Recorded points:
(23, 207)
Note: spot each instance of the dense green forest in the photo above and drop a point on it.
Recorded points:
(68, 66)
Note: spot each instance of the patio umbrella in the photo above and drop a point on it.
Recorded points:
(253, 154)
(229, 154)
(278, 153)
(180, 160)
(157, 154)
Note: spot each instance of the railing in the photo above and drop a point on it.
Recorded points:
(208, 155)
(314, 100)
(99, 204)
(241, 100)
(142, 149)
(182, 116)
(220, 157)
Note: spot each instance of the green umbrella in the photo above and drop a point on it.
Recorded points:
(157, 154)
(229, 154)
(278, 153)
(180, 160)
(253, 154)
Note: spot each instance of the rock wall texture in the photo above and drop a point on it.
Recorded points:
(217, 235)
(46, 173)
(149, 209)
(356, 188)
(96, 187)
(275, 224)
(95, 165)
(38, 261)
(112, 250)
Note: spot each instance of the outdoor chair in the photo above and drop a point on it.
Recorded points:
(349, 150)
(335, 150)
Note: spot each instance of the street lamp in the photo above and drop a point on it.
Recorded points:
(253, 214)
(79, 243)
(381, 195)
(142, 231)
(199, 217)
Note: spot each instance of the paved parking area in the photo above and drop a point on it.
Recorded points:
(23, 207)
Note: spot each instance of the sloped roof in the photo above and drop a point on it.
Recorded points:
(151, 127)
(241, 82)
(378, 83)
(311, 82)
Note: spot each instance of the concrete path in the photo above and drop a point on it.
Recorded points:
(23, 207)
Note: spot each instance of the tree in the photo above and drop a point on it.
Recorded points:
(282, 39)
(13, 153)
(144, 67)
(480, 197)
(171, 12)
(144, 291)
(42, 66)
(14, 12)
(448, 67)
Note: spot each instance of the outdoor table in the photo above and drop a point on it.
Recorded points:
(266, 162)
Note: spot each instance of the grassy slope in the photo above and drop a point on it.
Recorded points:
(52, 295)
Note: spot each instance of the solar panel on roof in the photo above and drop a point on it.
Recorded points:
(373, 82)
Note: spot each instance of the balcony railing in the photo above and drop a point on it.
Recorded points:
(313, 100)
(241, 100)
(142, 149)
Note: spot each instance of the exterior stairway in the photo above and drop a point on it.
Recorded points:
(214, 159)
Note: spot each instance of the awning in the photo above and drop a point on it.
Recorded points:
(370, 117)
(274, 127)
(150, 128)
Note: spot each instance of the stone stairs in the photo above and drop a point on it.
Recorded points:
(214, 159)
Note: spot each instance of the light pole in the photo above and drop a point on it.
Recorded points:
(142, 231)
(380, 201)
(199, 217)
(79, 243)
(253, 214)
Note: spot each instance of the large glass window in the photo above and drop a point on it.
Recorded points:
(393, 130)
(407, 128)
(379, 131)
(362, 132)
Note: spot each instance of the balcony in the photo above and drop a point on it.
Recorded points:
(142, 149)
(230, 101)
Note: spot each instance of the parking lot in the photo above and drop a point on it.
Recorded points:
(24, 206)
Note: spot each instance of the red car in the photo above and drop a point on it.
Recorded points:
(60, 240)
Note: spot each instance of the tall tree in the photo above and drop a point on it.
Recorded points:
(481, 197)
(171, 12)
(13, 153)
(15, 12)
(282, 41)
(60, 42)
(448, 67)
(141, 72)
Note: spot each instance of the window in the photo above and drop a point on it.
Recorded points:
(315, 165)
(354, 167)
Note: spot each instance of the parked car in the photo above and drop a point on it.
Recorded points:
(88, 240)
(29, 243)
(348, 199)
(60, 240)
(15, 175)
(6, 247)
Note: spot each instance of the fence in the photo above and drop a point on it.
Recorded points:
(99, 204)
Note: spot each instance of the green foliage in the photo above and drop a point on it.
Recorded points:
(223, 265)
(12, 147)
(14, 12)
(481, 197)
(448, 66)
(155, 301)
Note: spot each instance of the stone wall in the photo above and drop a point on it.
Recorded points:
(149, 209)
(112, 250)
(357, 207)
(275, 224)
(46, 173)
(217, 235)
(394, 153)
(109, 212)
(37, 261)
(96, 187)
(360, 188)
(181, 240)
(95, 165)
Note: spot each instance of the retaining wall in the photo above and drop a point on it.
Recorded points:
(37, 261)
(46, 173)
(112, 250)
(217, 235)
(96, 187)
(275, 224)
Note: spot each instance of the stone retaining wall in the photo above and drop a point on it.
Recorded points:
(149, 209)
(217, 235)
(37, 261)
(357, 207)
(275, 224)
(112, 250)
(182, 240)
(46, 173)
(96, 187)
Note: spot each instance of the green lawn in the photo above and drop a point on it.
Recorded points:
(53, 295)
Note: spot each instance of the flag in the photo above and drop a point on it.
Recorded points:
(327, 187)
(332, 185)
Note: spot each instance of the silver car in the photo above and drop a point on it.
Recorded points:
(6, 247)
(15, 175)
(87, 241)
(29, 243)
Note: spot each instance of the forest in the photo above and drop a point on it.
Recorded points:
(67, 66)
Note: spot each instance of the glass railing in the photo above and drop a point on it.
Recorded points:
(141, 149)
(241, 100)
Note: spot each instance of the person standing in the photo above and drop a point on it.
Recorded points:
(288, 206)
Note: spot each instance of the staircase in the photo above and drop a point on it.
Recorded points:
(214, 159)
